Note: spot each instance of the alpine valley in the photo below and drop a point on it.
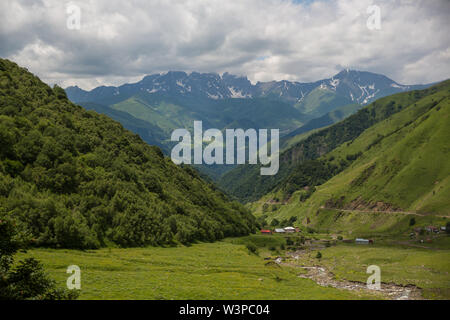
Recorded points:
(161, 103)
(85, 179)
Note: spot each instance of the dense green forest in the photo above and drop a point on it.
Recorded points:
(76, 179)
(147, 131)
(296, 168)
(24, 279)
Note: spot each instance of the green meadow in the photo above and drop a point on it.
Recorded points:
(229, 270)
(220, 270)
(427, 268)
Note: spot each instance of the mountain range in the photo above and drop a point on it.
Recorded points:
(374, 181)
(348, 86)
(161, 103)
(74, 178)
(245, 182)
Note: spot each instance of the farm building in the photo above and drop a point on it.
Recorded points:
(289, 229)
(432, 229)
(280, 231)
(266, 231)
(361, 241)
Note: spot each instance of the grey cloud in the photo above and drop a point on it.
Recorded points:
(121, 41)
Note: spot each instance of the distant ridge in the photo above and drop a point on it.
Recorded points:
(356, 86)
(164, 102)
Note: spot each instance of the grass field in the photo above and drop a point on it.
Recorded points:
(221, 270)
(228, 270)
(427, 269)
(403, 261)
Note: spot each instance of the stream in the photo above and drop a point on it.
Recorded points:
(325, 278)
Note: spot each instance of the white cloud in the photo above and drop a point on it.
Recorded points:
(119, 41)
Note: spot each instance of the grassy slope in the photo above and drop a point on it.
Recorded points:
(229, 113)
(288, 142)
(321, 101)
(220, 270)
(259, 113)
(166, 116)
(150, 133)
(316, 124)
(163, 117)
(409, 157)
(246, 183)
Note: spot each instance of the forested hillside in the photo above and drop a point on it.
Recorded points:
(74, 178)
(148, 132)
(398, 165)
(247, 184)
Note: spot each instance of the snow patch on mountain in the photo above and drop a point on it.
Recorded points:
(394, 85)
(236, 93)
(334, 83)
(300, 99)
(369, 97)
(323, 86)
(213, 96)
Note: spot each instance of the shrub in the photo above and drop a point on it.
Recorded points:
(275, 222)
(252, 248)
(27, 280)
(310, 230)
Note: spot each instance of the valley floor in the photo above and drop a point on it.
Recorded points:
(408, 271)
(228, 270)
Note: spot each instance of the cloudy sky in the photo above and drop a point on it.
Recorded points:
(120, 41)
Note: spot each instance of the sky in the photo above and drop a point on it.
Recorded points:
(117, 41)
